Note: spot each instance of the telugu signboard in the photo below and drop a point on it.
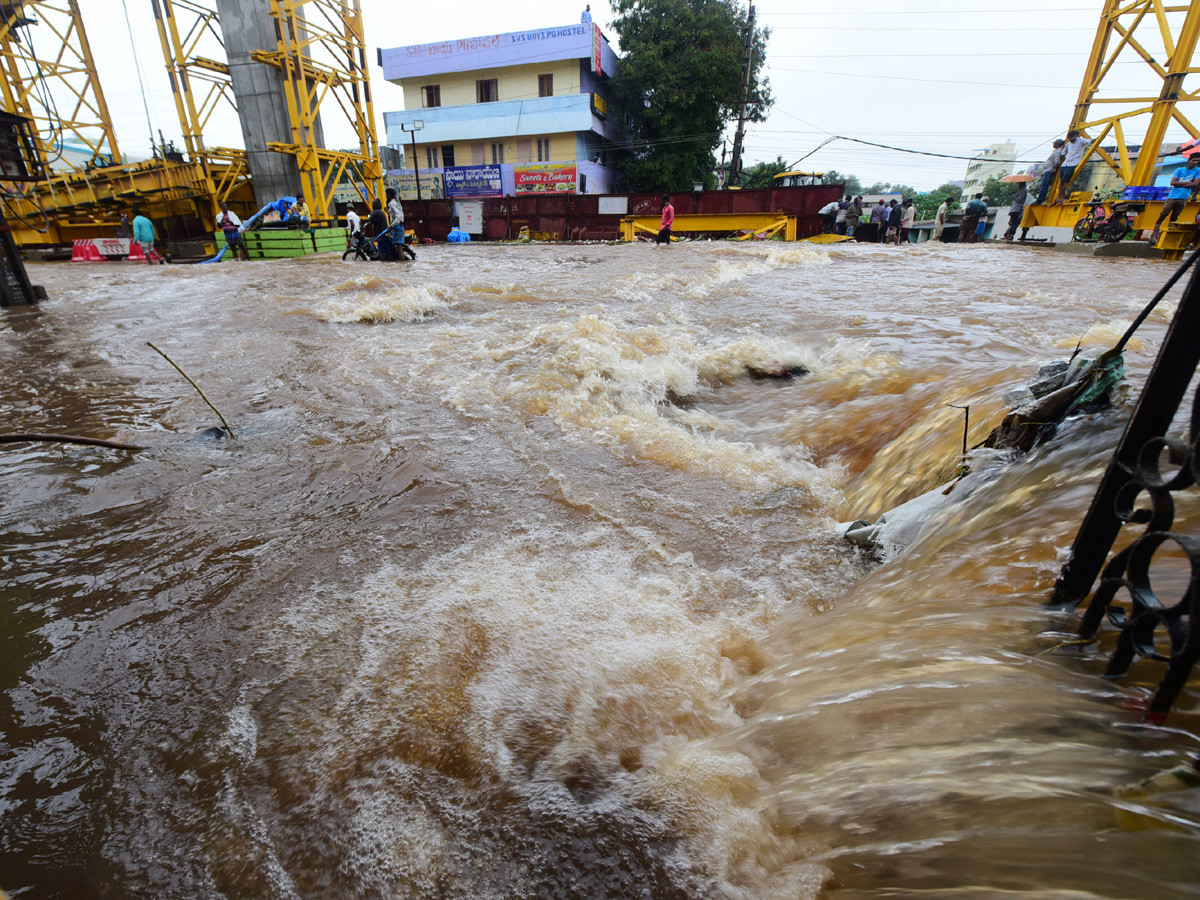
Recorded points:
(405, 185)
(544, 178)
(473, 181)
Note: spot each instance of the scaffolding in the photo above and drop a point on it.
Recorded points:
(1162, 36)
(321, 54)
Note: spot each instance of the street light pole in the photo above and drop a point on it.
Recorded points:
(416, 126)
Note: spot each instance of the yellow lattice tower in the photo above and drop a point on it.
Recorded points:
(321, 54)
(200, 86)
(50, 77)
(1170, 27)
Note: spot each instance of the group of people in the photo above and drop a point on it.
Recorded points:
(386, 227)
(892, 220)
(1060, 166)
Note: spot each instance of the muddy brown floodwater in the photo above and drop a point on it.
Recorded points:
(515, 584)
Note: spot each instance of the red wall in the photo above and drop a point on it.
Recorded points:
(577, 217)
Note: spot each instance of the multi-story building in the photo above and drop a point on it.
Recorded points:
(997, 160)
(506, 113)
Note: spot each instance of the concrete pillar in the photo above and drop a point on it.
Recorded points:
(262, 108)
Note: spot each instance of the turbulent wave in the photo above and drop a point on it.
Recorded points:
(391, 303)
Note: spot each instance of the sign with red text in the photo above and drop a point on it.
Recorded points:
(544, 178)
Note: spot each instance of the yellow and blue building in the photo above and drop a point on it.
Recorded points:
(505, 114)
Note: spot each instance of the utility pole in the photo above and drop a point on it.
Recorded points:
(735, 166)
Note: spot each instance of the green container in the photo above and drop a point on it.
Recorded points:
(289, 243)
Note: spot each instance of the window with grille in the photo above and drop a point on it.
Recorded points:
(431, 158)
(432, 94)
(543, 149)
(545, 85)
(485, 91)
(497, 153)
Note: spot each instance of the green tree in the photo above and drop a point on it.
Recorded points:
(853, 185)
(998, 193)
(927, 204)
(762, 174)
(680, 86)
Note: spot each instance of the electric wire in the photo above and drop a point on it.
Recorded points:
(138, 67)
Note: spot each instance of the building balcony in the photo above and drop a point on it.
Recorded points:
(500, 119)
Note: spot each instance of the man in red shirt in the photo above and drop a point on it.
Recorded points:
(668, 219)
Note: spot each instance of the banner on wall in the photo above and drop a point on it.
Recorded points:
(538, 178)
(405, 185)
(473, 181)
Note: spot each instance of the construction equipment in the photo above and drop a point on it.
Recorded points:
(1168, 32)
(318, 49)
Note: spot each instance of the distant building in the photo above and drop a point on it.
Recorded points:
(511, 113)
(996, 161)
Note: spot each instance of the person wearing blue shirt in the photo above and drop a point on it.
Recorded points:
(143, 233)
(1184, 184)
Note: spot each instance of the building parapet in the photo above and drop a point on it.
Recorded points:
(503, 118)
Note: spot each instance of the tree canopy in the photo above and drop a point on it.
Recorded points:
(999, 193)
(680, 85)
(760, 175)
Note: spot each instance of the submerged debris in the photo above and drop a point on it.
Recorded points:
(776, 370)
(1057, 390)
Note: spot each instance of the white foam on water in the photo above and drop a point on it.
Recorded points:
(499, 664)
(607, 383)
(393, 304)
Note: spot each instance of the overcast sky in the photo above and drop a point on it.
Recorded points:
(929, 75)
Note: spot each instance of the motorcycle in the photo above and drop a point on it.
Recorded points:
(1107, 225)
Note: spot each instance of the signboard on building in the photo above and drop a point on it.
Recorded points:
(613, 206)
(405, 185)
(473, 181)
(540, 178)
(599, 106)
(470, 216)
(597, 49)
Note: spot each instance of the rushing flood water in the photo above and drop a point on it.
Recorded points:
(514, 584)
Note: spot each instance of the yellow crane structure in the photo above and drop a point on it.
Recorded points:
(1163, 36)
(320, 51)
(322, 56)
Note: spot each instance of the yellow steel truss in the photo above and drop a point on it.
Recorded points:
(321, 53)
(764, 224)
(200, 86)
(49, 76)
(57, 89)
(1116, 36)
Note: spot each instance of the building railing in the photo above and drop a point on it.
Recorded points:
(1138, 489)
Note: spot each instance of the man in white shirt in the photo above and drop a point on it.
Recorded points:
(939, 220)
(1073, 151)
(828, 214)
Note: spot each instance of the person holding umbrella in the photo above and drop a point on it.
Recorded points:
(1017, 208)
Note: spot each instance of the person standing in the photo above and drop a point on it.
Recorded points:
(853, 215)
(668, 221)
(586, 18)
(1184, 184)
(970, 219)
(145, 235)
(231, 227)
(1073, 151)
(828, 214)
(1016, 211)
(907, 217)
(895, 214)
(983, 222)
(840, 219)
(939, 220)
(1050, 169)
(395, 211)
(879, 219)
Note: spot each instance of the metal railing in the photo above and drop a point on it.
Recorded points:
(1148, 465)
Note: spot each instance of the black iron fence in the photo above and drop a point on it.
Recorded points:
(1138, 490)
